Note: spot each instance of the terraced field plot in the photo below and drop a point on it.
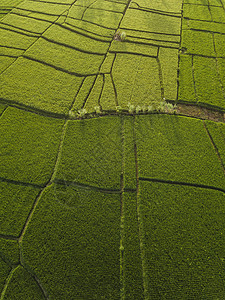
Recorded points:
(202, 63)
(129, 202)
(75, 41)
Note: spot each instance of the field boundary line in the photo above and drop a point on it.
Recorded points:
(215, 147)
(140, 223)
(8, 279)
(8, 237)
(122, 231)
(31, 272)
(30, 215)
(182, 183)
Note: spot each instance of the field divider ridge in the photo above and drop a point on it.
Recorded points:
(13, 269)
(215, 147)
(140, 222)
(182, 183)
(122, 277)
(52, 23)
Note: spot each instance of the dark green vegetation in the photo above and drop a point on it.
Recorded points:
(119, 205)
(110, 223)
(183, 241)
(100, 139)
(75, 253)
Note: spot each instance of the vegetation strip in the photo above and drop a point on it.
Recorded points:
(122, 242)
(215, 147)
(140, 225)
(8, 281)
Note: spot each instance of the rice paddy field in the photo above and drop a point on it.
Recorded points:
(112, 149)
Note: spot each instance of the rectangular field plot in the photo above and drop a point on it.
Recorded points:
(103, 18)
(184, 241)
(78, 41)
(200, 43)
(207, 82)
(89, 27)
(153, 39)
(39, 86)
(92, 153)
(218, 14)
(177, 149)
(29, 146)
(186, 81)
(43, 8)
(173, 6)
(168, 59)
(72, 243)
(220, 44)
(66, 58)
(207, 26)
(136, 79)
(15, 39)
(36, 15)
(25, 23)
(15, 204)
(198, 12)
(145, 50)
(153, 22)
(10, 52)
(111, 6)
(10, 3)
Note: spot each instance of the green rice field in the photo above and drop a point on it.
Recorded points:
(112, 149)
